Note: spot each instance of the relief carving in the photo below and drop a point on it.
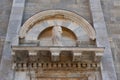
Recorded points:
(57, 35)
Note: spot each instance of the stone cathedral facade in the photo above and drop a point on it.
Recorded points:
(58, 40)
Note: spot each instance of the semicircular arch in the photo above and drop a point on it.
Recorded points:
(29, 24)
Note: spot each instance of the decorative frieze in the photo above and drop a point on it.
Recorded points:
(36, 54)
(56, 66)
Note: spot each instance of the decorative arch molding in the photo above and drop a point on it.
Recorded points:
(52, 13)
(34, 33)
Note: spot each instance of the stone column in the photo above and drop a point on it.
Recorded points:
(107, 67)
(6, 73)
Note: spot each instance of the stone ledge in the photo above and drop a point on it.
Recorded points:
(65, 48)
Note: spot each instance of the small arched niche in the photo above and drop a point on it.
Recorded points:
(68, 37)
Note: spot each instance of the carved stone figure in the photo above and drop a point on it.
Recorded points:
(57, 35)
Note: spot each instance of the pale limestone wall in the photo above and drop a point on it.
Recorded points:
(79, 6)
(111, 9)
(5, 9)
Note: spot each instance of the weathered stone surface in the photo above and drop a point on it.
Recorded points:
(20, 75)
(5, 67)
(2, 39)
(5, 9)
(108, 72)
(78, 6)
(110, 9)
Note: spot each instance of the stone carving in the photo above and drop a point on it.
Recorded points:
(57, 35)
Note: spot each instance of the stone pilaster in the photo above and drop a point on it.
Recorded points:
(12, 38)
(107, 68)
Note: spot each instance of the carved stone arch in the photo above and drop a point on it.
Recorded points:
(29, 24)
(38, 28)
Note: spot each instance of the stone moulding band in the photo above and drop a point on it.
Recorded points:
(58, 66)
(97, 49)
